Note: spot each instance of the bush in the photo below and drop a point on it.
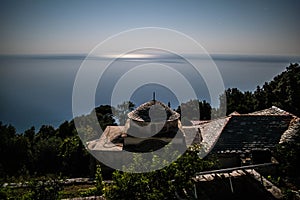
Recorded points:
(171, 182)
(44, 189)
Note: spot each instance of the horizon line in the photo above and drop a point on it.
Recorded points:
(151, 56)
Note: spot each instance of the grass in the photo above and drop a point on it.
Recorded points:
(72, 191)
(68, 191)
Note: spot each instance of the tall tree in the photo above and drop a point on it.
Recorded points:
(122, 110)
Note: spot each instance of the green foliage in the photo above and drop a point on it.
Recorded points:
(3, 193)
(50, 150)
(46, 155)
(283, 91)
(122, 110)
(289, 195)
(37, 189)
(88, 192)
(99, 186)
(288, 155)
(75, 158)
(105, 116)
(239, 101)
(88, 126)
(195, 110)
(274, 180)
(99, 181)
(170, 182)
(66, 130)
(14, 151)
(44, 189)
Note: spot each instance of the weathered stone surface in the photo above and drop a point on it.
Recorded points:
(141, 114)
(241, 134)
(292, 132)
(105, 142)
(237, 133)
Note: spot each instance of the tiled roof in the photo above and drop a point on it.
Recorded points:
(142, 112)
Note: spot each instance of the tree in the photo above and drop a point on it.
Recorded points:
(87, 126)
(170, 182)
(239, 101)
(30, 134)
(205, 110)
(122, 110)
(46, 155)
(105, 116)
(74, 157)
(195, 110)
(65, 130)
(283, 92)
(13, 150)
(288, 155)
(259, 99)
(45, 132)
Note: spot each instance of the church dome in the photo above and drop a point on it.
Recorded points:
(152, 111)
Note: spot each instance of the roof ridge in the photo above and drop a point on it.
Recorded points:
(273, 110)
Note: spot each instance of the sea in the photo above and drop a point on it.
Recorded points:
(37, 90)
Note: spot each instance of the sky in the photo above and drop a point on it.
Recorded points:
(250, 41)
(251, 27)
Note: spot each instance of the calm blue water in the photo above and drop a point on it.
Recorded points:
(36, 91)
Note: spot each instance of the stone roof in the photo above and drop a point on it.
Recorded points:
(109, 140)
(234, 113)
(241, 132)
(209, 133)
(198, 122)
(251, 175)
(142, 113)
(212, 131)
(236, 133)
(271, 111)
(249, 132)
(292, 132)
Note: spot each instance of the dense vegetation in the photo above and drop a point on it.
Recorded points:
(47, 151)
(283, 91)
(171, 182)
(60, 152)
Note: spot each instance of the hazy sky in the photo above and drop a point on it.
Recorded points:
(234, 27)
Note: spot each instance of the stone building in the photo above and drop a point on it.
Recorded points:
(241, 142)
(149, 127)
(241, 139)
(237, 139)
